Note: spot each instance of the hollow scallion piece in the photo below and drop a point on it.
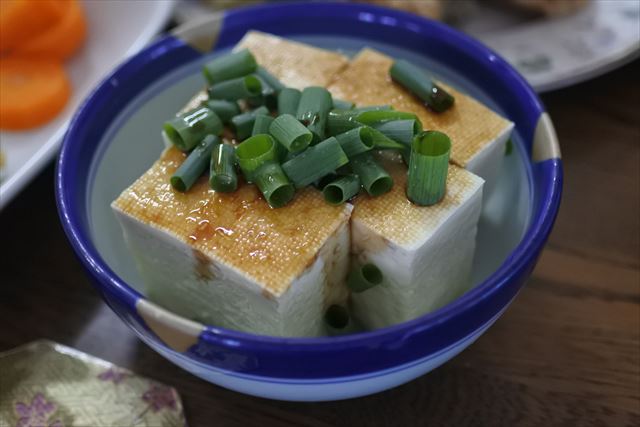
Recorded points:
(374, 108)
(313, 108)
(401, 131)
(364, 277)
(268, 97)
(315, 162)
(339, 104)
(383, 142)
(508, 148)
(337, 317)
(230, 66)
(235, 89)
(270, 79)
(224, 109)
(222, 171)
(377, 116)
(428, 167)
(187, 130)
(274, 185)
(194, 165)
(288, 100)
(242, 124)
(254, 152)
(420, 84)
(342, 189)
(289, 132)
(356, 141)
(325, 180)
(261, 124)
(340, 121)
(374, 178)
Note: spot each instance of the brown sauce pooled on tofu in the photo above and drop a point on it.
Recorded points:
(273, 246)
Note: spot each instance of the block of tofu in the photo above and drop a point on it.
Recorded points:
(232, 261)
(424, 253)
(478, 135)
(298, 65)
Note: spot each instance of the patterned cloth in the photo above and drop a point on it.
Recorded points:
(44, 384)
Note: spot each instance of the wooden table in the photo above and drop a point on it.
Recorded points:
(567, 352)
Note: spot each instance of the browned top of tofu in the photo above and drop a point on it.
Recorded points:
(394, 218)
(271, 246)
(297, 65)
(470, 125)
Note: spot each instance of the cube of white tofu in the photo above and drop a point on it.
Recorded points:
(425, 253)
(478, 135)
(229, 259)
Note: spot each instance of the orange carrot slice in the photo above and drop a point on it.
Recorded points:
(32, 91)
(22, 19)
(62, 39)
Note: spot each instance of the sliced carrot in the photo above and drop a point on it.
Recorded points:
(32, 91)
(62, 39)
(23, 19)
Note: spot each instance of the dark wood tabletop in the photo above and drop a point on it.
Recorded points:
(567, 351)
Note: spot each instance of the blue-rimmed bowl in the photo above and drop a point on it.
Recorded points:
(114, 138)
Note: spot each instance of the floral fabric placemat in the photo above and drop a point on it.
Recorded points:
(46, 384)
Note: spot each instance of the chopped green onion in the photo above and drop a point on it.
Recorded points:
(268, 96)
(341, 190)
(270, 79)
(261, 124)
(382, 142)
(428, 167)
(315, 162)
(234, 89)
(274, 185)
(508, 148)
(337, 317)
(362, 278)
(224, 109)
(188, 129)
(290, 133)
(420, 84)
(194, 165)
(401, 131)
(242, 124)
(376, 116)
(222, 171)
(230, 66)
(339, 104)
(374, 178)
(406, 155)
(356, 141)
(254, 152)
(288, 100)
(326, 180)
(313, 108)
(340, 121)
(374, 108)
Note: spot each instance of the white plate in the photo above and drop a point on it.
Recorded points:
(551, 53)
(559, 52)
(115, 31)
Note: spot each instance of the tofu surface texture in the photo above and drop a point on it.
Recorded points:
(230, 260)
(478, 135)
(425, 253)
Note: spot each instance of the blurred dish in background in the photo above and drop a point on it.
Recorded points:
(113, 33)
(553, 43)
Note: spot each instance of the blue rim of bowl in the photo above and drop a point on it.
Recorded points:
(420, 336)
